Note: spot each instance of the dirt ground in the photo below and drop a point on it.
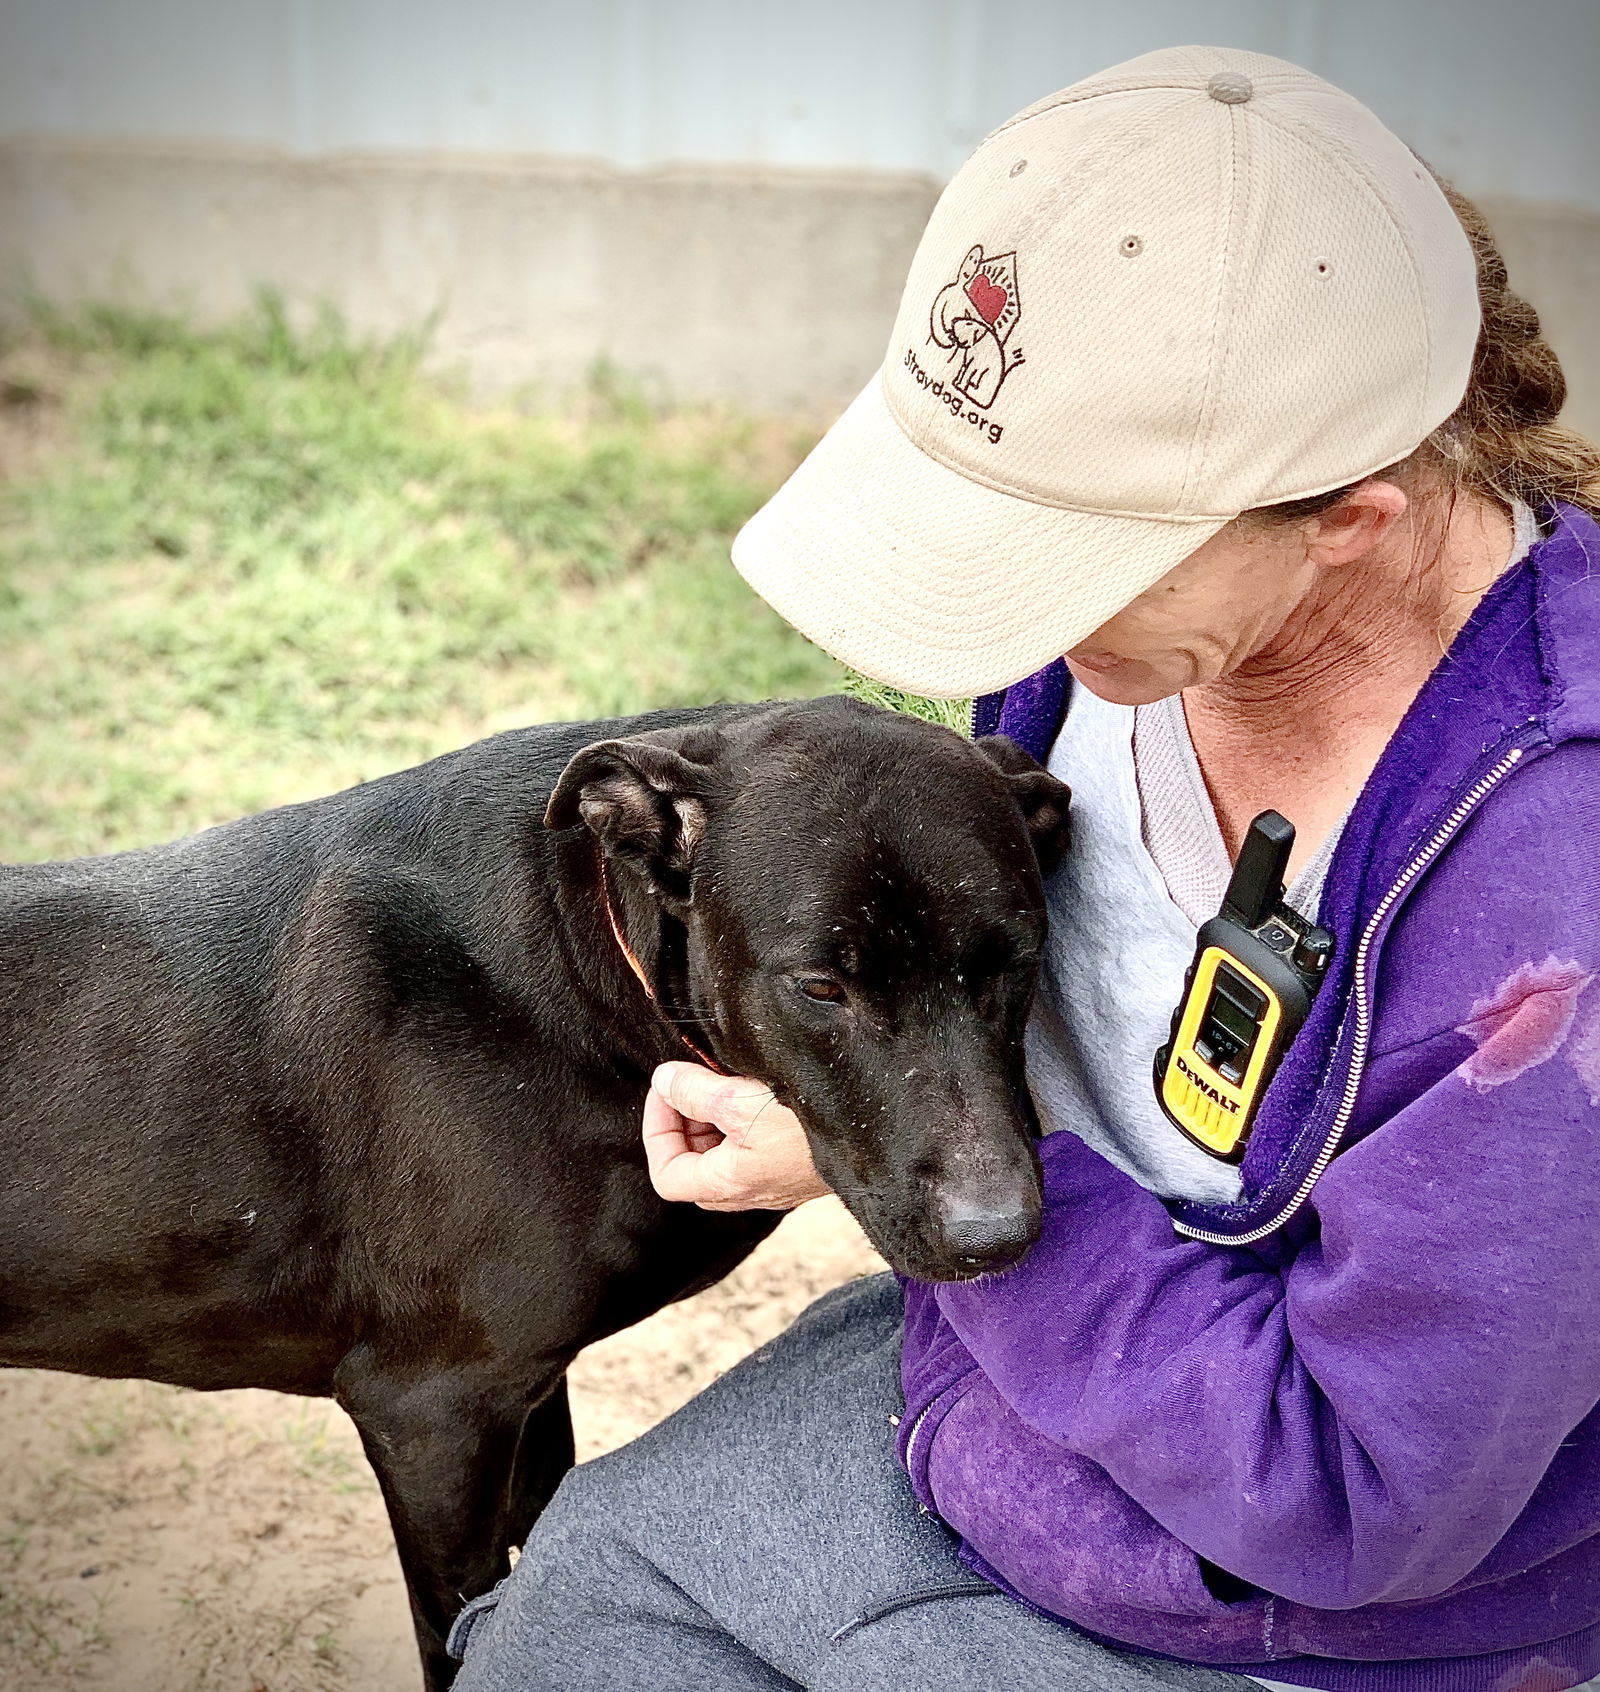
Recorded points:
(156, 1540)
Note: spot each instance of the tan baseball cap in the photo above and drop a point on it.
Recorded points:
(1202, 281)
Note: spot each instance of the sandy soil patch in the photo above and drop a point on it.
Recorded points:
(155, 1540)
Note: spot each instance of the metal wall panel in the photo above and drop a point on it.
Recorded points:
(1502, 97)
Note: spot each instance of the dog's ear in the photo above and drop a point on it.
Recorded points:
(645, 799)
(1042, 799)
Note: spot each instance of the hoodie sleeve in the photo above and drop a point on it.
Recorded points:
(1364, 1420)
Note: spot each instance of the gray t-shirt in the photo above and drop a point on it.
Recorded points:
(1146, 867)
(1119, 946)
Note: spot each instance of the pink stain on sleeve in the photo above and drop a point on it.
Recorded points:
(1584, 1051)
(1523, 1021)
(1541, 1675)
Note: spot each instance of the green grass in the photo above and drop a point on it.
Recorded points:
(266, 563)
(948, 713)
(322, 1456)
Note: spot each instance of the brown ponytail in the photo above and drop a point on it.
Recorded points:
(1504, 440)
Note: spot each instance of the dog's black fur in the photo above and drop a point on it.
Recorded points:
(344, 1098)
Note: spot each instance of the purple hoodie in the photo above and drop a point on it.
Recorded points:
(1344, 1431)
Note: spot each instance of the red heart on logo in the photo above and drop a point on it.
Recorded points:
(989, 297)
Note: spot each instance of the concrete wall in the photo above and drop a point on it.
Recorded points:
(721, 195)
(774, 288)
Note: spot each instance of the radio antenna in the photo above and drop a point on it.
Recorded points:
(1256, 889)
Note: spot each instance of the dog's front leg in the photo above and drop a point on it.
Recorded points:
(448, 1443)
(544, 1454)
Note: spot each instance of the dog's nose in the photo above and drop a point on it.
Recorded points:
(982, 1238)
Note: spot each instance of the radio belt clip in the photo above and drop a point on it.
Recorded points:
(1257, 967)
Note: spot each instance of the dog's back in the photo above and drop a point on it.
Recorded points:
(230, 1067)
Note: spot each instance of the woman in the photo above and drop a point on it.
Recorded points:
(1267, 452)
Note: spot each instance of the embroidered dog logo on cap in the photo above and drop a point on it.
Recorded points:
(972, 319)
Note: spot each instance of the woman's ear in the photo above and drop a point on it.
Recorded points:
(1349, 530)
(1042, 799)
(646, 800)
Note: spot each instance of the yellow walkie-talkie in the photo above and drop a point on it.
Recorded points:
(1256, 969)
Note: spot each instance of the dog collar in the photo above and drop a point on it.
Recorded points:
(638, 970)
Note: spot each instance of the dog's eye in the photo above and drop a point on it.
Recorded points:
(820, 988)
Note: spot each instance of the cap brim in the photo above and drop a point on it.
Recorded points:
(928, 581)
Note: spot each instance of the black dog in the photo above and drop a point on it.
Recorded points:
(344, 1099)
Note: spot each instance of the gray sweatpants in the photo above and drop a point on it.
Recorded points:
(765, 1537)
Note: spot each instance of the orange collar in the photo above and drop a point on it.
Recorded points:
(638, 969)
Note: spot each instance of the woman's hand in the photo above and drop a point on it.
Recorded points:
(725, 1143)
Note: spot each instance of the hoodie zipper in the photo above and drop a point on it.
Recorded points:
(940, 1397)
(916, 1428)
(1464, 808)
